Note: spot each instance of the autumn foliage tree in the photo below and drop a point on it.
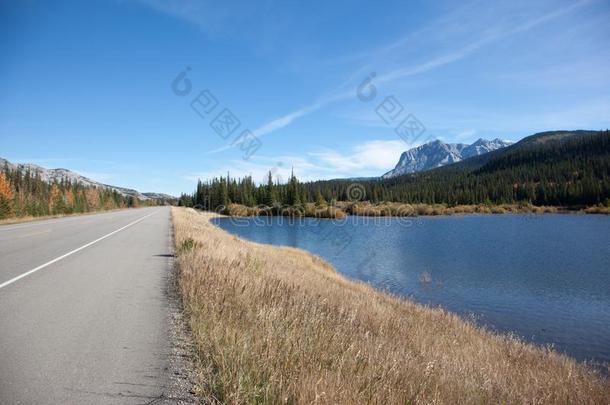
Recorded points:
(6, 197)
(25, 193)
(56, 200)
(93, 198)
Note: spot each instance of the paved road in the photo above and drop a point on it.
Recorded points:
(92, 327)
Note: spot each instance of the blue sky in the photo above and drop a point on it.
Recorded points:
(88, 85)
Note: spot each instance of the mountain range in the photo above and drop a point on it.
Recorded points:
(554, 168)
(57, 175)
(438, 153)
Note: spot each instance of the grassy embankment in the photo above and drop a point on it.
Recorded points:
(341, 209)
(279, 325)
(31, 218)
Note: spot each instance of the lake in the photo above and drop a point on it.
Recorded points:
(546, 278)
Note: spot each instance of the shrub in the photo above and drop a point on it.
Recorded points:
(498, 210)
(187, 245)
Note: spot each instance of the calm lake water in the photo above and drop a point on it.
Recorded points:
(545, 278)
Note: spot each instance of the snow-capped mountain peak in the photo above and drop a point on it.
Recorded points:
(438, 153)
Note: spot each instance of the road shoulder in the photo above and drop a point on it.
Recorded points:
(183, 354)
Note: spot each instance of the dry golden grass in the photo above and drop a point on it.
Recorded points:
(598, 209)
(386, 209)
(307, 210)
(279, 325)
(30, 218)
(401, 209)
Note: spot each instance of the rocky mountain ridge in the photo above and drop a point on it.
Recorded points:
(438, 153)
(59, 174)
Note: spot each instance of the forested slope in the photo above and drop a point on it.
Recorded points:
(26, 194)
(559, 168)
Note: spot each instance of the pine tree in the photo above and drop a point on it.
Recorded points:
(320, 201)
(270, 197)
(293, 195)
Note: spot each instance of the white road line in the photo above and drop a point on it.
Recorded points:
(42, 266)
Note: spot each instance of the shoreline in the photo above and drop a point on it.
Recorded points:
(399, 210)
(413, 223)
(261, 300)
(372, 218)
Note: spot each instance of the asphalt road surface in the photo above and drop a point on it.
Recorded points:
(83, 309)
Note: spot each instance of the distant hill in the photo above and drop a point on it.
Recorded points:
(538, 139)
(438, 153)
(560, 168)
(57, 175)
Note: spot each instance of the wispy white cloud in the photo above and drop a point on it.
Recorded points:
(285, 120)
(367, 159)
(486, 38)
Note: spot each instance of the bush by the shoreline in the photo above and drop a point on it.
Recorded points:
(307, 210)
(598, 209)
(400, 209)
(384, 209)
(279, 325)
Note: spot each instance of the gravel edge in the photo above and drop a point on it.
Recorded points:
(182, 353)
